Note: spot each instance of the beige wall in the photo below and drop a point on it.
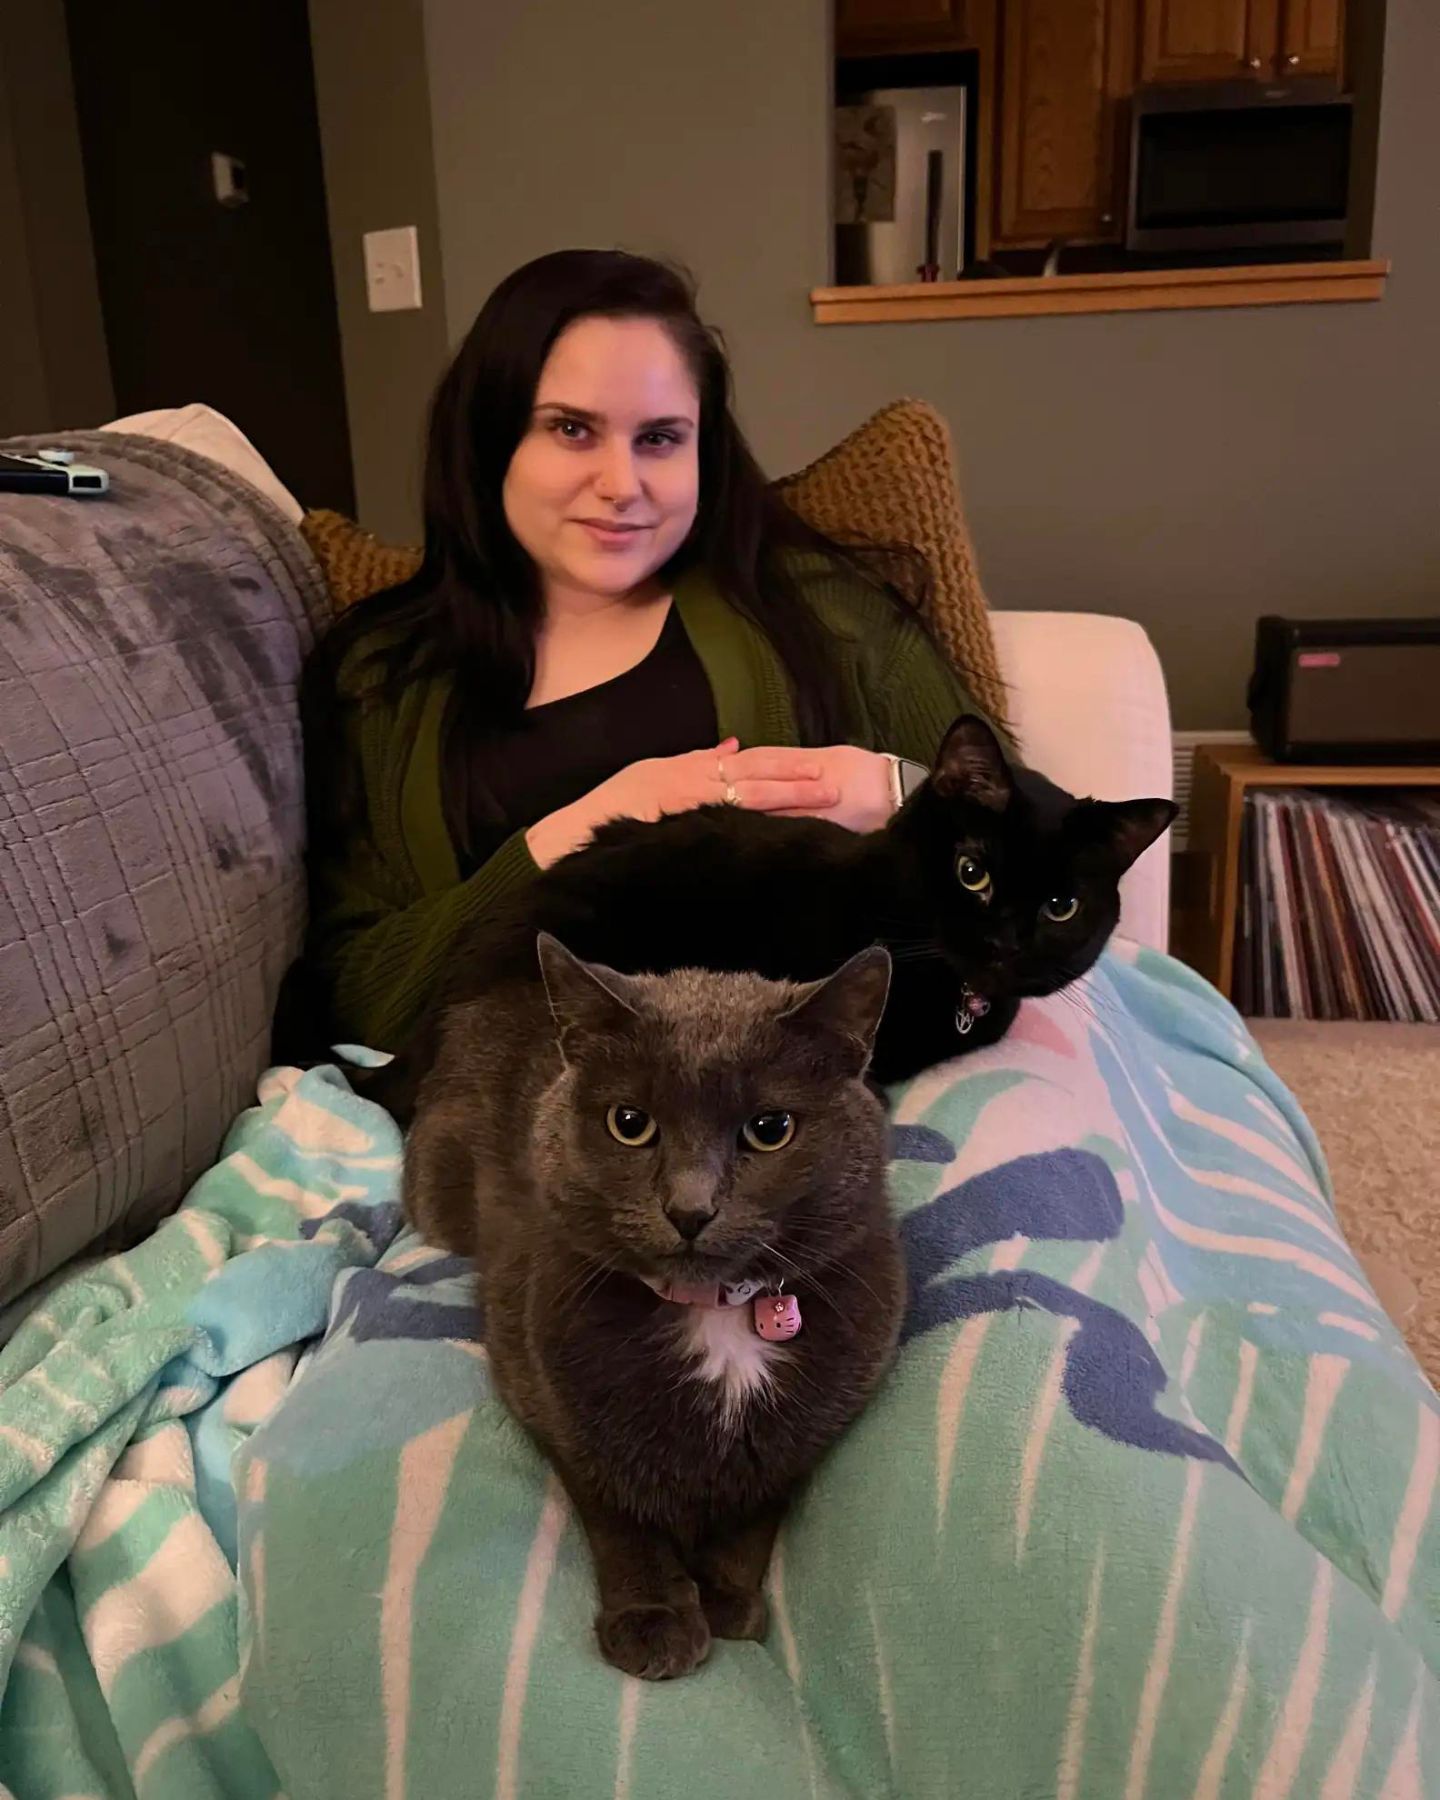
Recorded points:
(1191, 470)
(54, 371)
(371, 91)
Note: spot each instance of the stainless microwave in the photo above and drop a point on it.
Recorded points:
(1238, 165)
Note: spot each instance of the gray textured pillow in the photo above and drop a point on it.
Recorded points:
(151, 834)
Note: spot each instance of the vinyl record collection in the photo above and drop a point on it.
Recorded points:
(1339, 906)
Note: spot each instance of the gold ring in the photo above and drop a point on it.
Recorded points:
(731, 797)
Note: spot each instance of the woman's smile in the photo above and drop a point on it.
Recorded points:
(614, 534)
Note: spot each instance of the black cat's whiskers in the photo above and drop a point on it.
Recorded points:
(917, 952)
(1105, 1003)
(896, 929)
(1092, 994)
(1098, 1010)
(1077, 1002)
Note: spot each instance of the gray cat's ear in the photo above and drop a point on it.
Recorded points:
(847, 1006)
(584, 997)
(1128, 828)
(972, 766)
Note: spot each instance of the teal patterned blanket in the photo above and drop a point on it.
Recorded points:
(1147, 1508)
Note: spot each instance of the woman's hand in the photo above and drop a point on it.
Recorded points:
(860, 781)
(778, 780)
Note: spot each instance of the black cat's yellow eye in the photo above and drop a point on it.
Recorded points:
(631, 1127)
(768, 1131)
(972, 874)
(1059, 909)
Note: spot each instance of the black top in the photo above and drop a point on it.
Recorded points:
(559, 751)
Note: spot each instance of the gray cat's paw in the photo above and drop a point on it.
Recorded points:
(737, 1613)
(657, 1643)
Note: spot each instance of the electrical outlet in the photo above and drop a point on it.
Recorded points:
(392, 269)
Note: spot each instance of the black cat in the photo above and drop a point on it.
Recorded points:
(991, 884)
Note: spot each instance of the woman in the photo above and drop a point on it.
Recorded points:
(615, 617)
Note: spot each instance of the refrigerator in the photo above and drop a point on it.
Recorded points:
(900, 185)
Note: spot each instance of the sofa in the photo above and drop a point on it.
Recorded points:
(1148, 1504)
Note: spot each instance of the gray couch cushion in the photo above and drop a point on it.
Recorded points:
(151, 834)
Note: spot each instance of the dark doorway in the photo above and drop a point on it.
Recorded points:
(230, 304)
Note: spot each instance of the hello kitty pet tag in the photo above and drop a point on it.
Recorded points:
(777, 1317)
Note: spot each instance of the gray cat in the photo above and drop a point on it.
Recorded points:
(674, 1187)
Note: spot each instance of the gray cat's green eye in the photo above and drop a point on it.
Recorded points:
(769, 1130)
(1060, 909)
(631, 1127)
(972, 874)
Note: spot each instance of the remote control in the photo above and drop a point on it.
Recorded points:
(51, 472)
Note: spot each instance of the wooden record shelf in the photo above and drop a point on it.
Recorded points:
(1205, 930)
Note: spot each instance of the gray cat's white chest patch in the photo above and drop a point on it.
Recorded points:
(724, 1348)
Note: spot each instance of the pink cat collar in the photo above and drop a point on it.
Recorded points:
(776, 1316)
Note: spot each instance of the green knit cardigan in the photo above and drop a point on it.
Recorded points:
(386, 897)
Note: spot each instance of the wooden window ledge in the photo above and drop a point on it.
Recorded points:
(1159, 290)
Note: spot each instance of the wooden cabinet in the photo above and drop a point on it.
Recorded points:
(880, 27)
(1225, 40)
(1312, 37)
(1066, 70)
(1207, 40)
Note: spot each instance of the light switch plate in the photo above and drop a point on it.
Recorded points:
(228, 177)
(392, 269)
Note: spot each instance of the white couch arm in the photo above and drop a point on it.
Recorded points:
(1087, 700)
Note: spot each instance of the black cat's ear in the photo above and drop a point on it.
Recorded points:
(972, 766)
(847, 1006)
(1127, 828)
(584, 997)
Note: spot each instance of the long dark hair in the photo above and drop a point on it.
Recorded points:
(473, 609)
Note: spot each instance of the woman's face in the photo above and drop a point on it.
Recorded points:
(603, 487)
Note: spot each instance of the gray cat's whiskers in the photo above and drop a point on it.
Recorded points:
(810, 1275)
(577, 1292)
(789, 1263)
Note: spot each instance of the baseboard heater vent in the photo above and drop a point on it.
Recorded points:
(1183, 749)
